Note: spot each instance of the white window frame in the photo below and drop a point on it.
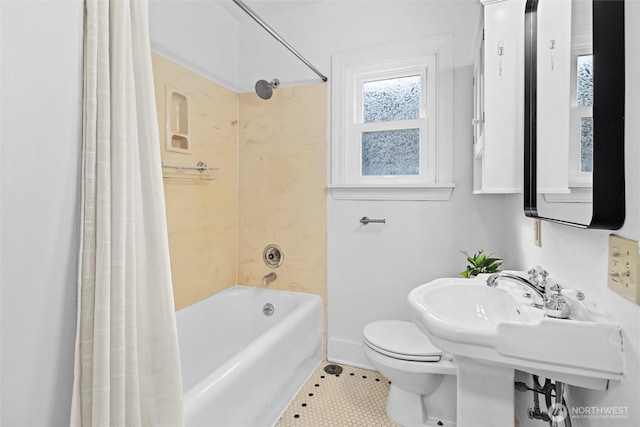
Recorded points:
(433, 60)
(582, 45)
(580, 183)
(354, 130)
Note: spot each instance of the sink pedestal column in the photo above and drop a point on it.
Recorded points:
(485, 394)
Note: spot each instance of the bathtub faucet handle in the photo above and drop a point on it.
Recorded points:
(268, 278)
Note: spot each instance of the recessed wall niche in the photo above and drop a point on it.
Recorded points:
(177, 121)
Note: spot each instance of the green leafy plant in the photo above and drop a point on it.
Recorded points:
(481, 263)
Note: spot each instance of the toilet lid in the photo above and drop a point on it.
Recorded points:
(402, 339)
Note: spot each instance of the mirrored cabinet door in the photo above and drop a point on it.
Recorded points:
(499, 87)
(574, 112)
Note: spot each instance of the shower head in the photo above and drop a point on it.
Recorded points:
(264, 89)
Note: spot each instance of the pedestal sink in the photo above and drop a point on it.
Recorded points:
(493, 331)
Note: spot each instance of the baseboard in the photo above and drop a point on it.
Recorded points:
(347, 353)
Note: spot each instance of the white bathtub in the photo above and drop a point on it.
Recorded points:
(241, 367)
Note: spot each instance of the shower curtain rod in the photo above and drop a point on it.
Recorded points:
(276, 36)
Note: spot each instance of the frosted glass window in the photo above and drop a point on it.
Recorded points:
(392, 99)
(584, 96)
(393, 152)
(586, 144)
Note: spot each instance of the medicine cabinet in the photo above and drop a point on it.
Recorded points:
(498, 121)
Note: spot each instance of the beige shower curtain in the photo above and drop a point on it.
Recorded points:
(127, 367)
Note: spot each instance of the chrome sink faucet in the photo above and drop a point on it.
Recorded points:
(539, 289)
(553, 302)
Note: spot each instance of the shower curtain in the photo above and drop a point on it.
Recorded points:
(127, 367)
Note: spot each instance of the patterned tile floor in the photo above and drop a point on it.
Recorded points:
(354, 398)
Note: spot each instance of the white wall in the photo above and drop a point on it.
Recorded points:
(329, 26)
(40, 113)
(580, 256)
(372, 269)
(199, 35)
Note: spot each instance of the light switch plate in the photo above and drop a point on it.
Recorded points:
(623, 268)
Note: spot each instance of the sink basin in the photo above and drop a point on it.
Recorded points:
(498, 325)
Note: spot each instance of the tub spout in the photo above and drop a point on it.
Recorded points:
(268, 278)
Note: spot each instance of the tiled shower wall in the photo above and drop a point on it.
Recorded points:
(270, 188)
(282, 187)
(202, 216)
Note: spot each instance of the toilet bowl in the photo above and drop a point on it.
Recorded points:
(423, 378)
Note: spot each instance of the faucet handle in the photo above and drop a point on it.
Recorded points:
(538, 276)
(556, 288)
(534, 274)
(536, 271)
(557, 307)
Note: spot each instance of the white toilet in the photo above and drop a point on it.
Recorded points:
(423, 378)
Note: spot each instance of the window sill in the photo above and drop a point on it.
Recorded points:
(417, 192)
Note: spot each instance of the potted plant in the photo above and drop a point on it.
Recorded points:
(481, 263)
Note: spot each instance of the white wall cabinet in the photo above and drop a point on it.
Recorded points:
(499, 98)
